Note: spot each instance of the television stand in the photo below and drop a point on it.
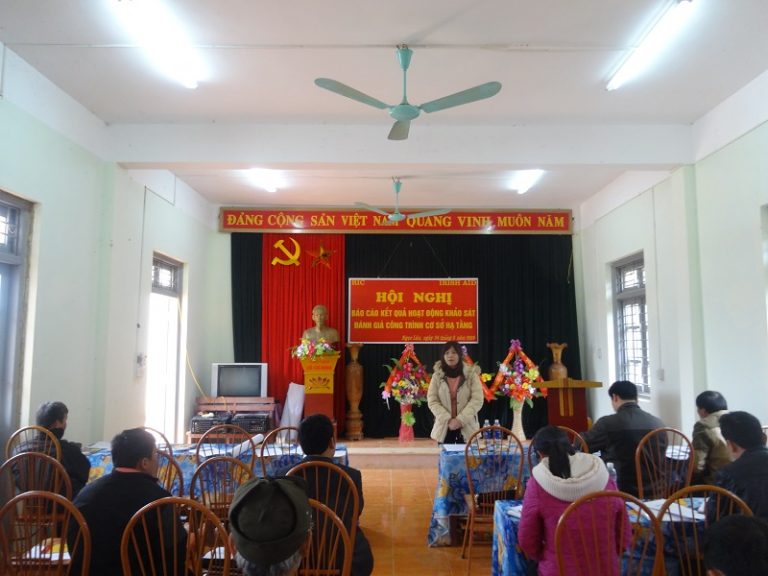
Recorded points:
(237, 405)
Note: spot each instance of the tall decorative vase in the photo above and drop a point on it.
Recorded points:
(354, 394)
(517, 423)
(406, 430)
(557, 370)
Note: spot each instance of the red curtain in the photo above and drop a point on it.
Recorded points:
(291, 287)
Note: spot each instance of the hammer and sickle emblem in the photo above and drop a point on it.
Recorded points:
(292, 258)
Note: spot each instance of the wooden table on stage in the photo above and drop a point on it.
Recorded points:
(567, 402)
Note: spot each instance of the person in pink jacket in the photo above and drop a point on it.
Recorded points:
(562, 477)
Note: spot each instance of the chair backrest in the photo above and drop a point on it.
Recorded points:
(329, 484)
(33, 439)
(280, 450)
(494, 459)
(685, 516)
(155, 541)
(330, 547)
(573, 437)
(226, 440)
(38, 525)
(161, 440)
(169, 473)
(664, 462)
(608, 532)
(215, 481)
(29, 471)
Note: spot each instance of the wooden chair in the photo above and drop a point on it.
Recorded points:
(494, 459)
(33, 439)
(659, 475)
(330, 547)
(573, 437)
(155, 541)
(29, 471)
(279, 450)
(685, 520)
(161, 440)
(215, 481)
(40, 546)
(582, 533)
(169, 473)
(226, 440)
(332, 486)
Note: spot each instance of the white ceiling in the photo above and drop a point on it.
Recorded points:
(260, 108)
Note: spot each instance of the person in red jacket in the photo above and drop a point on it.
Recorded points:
(563, 476)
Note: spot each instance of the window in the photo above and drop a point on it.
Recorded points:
(631, 315)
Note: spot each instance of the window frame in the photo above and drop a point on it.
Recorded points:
(623, 297)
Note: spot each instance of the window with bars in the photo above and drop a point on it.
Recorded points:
(166, 277)
(631, 313)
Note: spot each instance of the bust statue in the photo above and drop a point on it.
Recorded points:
(320, 330)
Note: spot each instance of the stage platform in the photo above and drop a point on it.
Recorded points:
(391, 454)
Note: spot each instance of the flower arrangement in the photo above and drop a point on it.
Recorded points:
(407, 384)
(312, 348)
(516, 379)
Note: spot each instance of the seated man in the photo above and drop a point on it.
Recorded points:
(270, 526)
(618, 435)
(747, 475)
(318, 444)
(736, 546)
(709, 445)
(109, 503)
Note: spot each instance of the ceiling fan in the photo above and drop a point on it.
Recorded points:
(398, 216)
(404, 112)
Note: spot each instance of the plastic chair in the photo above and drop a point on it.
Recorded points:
(330, 547)
(331, 485)
(584, 528)
(33, 439)
(169, 473)
(161, 440)
(685, 517)
(34, 539)
(573, 437)
(226, 440)
(155, 541)
(215, 481)
(658, 475)
(28, 471)
(494, 458)
(279, 450)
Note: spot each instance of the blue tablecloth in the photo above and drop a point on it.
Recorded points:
(452, 486)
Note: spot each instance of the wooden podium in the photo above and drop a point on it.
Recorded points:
(318, 384)
(567, 402)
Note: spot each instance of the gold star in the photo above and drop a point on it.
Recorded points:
(321, 256)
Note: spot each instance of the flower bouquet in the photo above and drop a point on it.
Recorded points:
(311, 349)
(407, 384)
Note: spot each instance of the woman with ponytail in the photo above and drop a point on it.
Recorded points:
(561, 477)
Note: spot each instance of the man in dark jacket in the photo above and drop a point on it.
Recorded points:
(747, 475)
(617, 435)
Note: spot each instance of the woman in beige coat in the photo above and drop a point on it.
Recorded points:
(455, 396)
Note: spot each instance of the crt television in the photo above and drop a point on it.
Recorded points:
(239, 379)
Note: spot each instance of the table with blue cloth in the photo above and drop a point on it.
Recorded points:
(452, 485)
(101, 461)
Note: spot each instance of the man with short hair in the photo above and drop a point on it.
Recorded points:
(617, 435)
(109, 503)
(270, 523)
(709, 445)
(53, 416)
(736, 545)
(747, 475)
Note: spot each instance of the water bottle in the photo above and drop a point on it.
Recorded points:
(611, 471)
(496, 433)
(486, 434)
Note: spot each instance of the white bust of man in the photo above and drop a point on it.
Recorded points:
(320, 330)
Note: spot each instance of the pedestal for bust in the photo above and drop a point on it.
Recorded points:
(354, 394)
(318, 384)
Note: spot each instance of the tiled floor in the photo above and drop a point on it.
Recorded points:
(398, 507)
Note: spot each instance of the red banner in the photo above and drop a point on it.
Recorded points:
(398, 310)
(362, 222)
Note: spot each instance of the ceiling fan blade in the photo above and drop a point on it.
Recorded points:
(464, 97)
(372, 208)
(400, 130)
(427, 213)
(344, 90)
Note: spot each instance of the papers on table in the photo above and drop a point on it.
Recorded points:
(454, 447)
(515, 511)
(98, 446)
(679, 511)
(50, 549)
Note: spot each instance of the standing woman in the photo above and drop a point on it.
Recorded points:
(455, 396)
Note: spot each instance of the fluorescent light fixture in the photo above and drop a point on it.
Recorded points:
(163, 38)
(269, 180)
(524, 180)
(653, 42)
